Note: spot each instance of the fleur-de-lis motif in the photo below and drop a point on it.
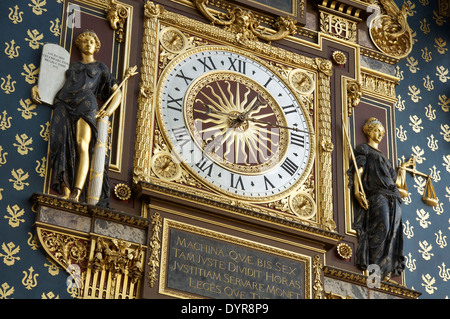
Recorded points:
(11, 50)
(428, 283)
(401, 134)
(432, 143)
(49, 295)
(439, 208)
(34, 38)
(45, 131)
(410, 8)
(412, 64)
(31, 73)
(424, 26)
(55, 28)
(444, 273)
(399, 73)
(420, 184)
(2, 156)
(418, 152)
(10, 250)
(445, 132)
(422, 217)
(400, 104)
(438, 18)
(414, 93)
(8, 86)
(32, 241)
(427, 83)
(27, 109)
(440, 240)
(446, 162)
(37, 5)
(41, 166)
(15, 212)
(410, 263)
(426, 55)
(24, 144)
(5, 122)
(440, 45)
(444, 102)
(413, 36)
(407, 200)
(426, 250)
(442, 74)
(415, 123)
(430, 113)
(53, 268)
(19, 179)
(435, 174)
(29, 281)
(408, 230)
(6, 291)
(15, 15)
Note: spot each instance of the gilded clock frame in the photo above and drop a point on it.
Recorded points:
(231, 167)
(150, 141)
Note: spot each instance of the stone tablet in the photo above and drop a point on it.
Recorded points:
(55, 61)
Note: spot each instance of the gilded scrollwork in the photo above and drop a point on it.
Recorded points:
(117, 15)
(324, 155)
(245, 25)
(318, 271)
(65, 249)
(155, 249)
(378, 83)
(390, 31)
(354, 94)
(117, 256)
(115, 269)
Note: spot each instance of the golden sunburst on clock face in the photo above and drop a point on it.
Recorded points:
(222, 113)
(233, 123)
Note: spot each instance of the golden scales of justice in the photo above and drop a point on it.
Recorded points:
(428, 196)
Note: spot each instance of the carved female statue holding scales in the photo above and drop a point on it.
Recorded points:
(377, 217)
(74, 126)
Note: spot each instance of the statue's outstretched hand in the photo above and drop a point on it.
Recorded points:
(35, 96)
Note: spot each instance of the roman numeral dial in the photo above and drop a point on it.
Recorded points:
(235, 123)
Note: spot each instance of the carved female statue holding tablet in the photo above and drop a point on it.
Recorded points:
(73, 131)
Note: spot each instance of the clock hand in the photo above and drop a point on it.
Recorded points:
(210, 110)
(280, 126)
(212, 145)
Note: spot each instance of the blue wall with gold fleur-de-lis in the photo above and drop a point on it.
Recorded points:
(25, 272)
(422, 129)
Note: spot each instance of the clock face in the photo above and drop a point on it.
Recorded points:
(233, 123)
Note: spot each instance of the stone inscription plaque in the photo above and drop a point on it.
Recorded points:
(218, 269)
(55, 61)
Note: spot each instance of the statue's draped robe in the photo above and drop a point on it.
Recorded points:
(380, 229)
(77, 99)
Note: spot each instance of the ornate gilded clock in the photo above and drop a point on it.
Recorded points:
(234, 124)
